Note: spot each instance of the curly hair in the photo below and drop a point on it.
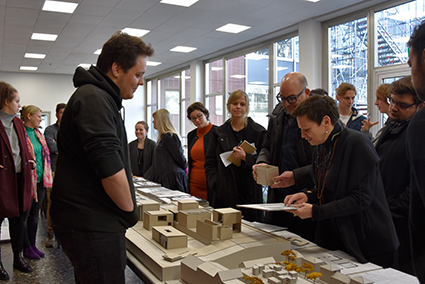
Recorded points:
(197, 106)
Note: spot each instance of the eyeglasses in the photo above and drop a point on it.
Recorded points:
(291, 99)
(193, 119)
(402, 106)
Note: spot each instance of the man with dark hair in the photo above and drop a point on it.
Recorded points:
(93, 198)
(284, 147)
(394, 165)
(416, 153)
(51, 135)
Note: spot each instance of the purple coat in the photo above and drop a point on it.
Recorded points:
(9, 203)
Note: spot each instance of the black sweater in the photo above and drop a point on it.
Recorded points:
(93, 144)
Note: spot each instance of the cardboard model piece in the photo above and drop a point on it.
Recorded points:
(157, 218)
(265, 173)
(169, 237)
(188, 204)
(147, 205)
(188, 218)
(229, 217)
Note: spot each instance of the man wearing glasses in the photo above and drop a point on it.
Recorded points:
(394, 165)
(284, 147)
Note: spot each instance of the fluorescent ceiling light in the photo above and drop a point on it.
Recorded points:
(47, 37)
(135, 32)
(61, 7)
(35, 55)
(257, 83)
(153, 63)
(238, 76)
(184, 3)
(232, 28)
(183, 49)
(84, 65)
(313, 0)
(28, 68)
(98, 51)
(216, 68)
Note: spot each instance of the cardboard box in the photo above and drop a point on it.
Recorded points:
(147, 205)
(169, 237)
(265, 173)
(188, 218)
(188, 204)
(157, 218)
(229, 217)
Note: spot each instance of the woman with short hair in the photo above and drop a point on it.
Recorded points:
(349, 115)
(198, 141)
(345, 192)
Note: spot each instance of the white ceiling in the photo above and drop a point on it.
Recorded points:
(94, 21)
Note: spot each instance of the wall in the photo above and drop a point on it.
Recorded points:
(47, 90)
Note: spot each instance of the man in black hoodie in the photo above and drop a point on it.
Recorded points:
(93, 199)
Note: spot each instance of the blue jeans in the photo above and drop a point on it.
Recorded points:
(97, 257)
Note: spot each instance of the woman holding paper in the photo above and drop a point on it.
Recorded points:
(232, 184)
(347, 196)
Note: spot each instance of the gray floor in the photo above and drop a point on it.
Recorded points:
(53, 268)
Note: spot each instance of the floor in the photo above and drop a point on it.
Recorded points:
(53, 268)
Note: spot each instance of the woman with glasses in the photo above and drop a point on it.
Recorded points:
(345, 195)
(141, 150)
(198, 141)
(168, 162)
(232, 184)
(349, 115)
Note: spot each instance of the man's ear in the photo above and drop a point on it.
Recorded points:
(115, 69)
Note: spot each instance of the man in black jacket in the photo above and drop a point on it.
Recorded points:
(93, 198)
(394, 165)
(416, 153)
(284, 147)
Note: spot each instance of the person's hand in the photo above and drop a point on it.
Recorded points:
(367, 124)
(286, 179)
(33, 163)
(239, 153)
(1, 167)
(254, 169)
(304, 211)
(296, 199)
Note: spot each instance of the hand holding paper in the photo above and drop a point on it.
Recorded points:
(247, 148)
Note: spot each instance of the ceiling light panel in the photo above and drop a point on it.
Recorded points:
(60, 7)
(233, 28)
(28, 68)
(135, 32)
(184, 3)
(35, 55)
(153, 63)
(185, 49)
(46, 37)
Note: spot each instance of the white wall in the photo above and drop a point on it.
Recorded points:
(47, 90)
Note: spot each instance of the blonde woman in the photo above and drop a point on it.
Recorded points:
(31, 116)
(168, 162)
(233, 185)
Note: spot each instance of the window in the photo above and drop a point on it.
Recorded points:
(214, 91)
(151, 106)
(348, 59)
(287, 57)
(185, 103)
(393, 28)
(169, 97)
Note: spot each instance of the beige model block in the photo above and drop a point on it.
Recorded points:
(229, 217)
(188, 269)
(208, 229)
(169, 237)
(188, 204)
(188, 218)
(265, 173)
(225, 232)
(157, 218)
(147, 205)
(328, 270)
(339, 278)
(317, 263)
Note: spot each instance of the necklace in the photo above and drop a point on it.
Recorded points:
(323, 171)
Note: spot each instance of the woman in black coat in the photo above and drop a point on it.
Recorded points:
(141, 150)
(234, 185)
(168, 163)
(347, 196)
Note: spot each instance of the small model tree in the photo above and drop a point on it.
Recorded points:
(293, 267)
(290, 255)
(314, 276)
(254, 280)
(306, 268)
